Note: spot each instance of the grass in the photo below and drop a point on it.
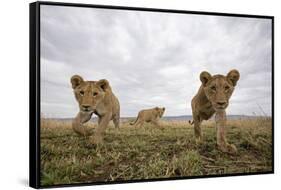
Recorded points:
(144, 153)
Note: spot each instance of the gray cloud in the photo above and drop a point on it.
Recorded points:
(152, 59)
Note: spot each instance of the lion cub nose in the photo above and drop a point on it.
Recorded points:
(221, 103)
(86, 107)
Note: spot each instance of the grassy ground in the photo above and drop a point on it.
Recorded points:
(144, 153)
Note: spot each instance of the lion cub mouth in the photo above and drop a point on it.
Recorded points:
(87, 111)
(220, 108)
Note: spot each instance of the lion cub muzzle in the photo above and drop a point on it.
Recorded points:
(86, 108)
(220, 105)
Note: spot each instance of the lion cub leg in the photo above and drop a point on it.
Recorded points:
(222, 143)
(139, 123)
(97, 138)
(79, 120)
(116, 122)
(156, 123)
(197, 131)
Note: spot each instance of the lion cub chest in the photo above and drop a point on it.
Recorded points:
(206, 111)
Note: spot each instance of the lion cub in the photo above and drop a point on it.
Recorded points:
(94, 97)
(213, 98)
(149, 115)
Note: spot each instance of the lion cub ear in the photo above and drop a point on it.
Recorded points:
(104, 84)
(76, 80)
(205, 77)
(233, 76)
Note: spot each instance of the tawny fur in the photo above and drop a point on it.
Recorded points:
(94, 97)
(149, 115)
(213, 98)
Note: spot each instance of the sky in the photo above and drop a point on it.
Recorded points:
(152, 58)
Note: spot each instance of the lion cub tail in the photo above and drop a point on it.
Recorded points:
(191, 122)
(133, 122)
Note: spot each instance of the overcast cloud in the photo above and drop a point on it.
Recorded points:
(151, 58)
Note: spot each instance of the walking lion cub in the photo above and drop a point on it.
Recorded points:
(94, 97)
(149, 115)
(213, 98)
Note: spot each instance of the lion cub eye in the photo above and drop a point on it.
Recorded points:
(95, 93)
(213, 88)
(226, 87)
(81, 93)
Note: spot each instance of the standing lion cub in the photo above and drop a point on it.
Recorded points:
(213, 98)
(94, 97)
(149, 115)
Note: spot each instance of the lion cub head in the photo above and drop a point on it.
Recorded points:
(89, 93)
(218, 88)
(160, 111)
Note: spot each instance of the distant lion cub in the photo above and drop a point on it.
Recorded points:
(149, 115)
(213, 98)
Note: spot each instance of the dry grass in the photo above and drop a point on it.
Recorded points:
(144, 153)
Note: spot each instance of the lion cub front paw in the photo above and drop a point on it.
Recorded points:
(198, 140)
(232, 148)
(228, 148)
(96, 140)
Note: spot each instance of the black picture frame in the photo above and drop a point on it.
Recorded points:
(34, 90)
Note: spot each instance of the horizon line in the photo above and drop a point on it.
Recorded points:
(237, 115)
